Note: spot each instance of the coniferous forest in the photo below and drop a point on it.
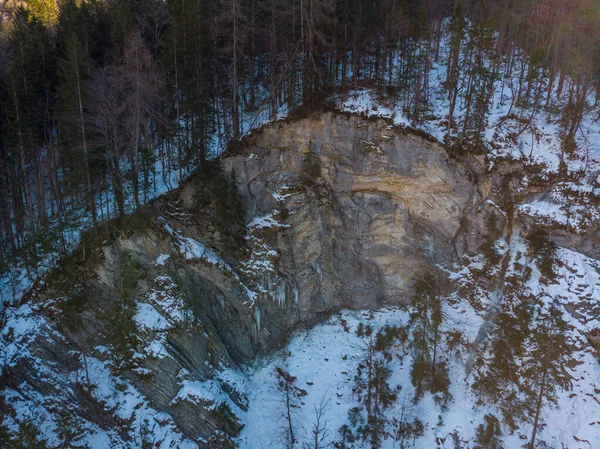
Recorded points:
(104, 103)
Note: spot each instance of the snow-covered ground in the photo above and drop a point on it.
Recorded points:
(324, 361)
(156, 313)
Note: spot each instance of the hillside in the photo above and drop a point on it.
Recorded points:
(400, 291)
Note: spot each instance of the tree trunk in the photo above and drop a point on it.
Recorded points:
(538, 408)
(288, 403)
(235, 118)
(89, 193)
(117, 185)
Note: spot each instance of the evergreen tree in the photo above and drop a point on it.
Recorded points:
(46, 11)
(142, 92)
(69, 433)
(29, 80)
(369, 423)
(29, 437)
(488, 434)
(544, 253)
(500, 375)
(545, 365)
(428, 372)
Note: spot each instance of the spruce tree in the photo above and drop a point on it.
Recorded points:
(489, 434)
(545, 366)
(428, 372)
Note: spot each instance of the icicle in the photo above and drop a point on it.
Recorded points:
(428, 244)
(257, 316)
(280, 293)
(295, 292)
(256, 323)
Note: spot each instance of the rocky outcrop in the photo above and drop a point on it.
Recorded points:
(338, 211)
(367, 208)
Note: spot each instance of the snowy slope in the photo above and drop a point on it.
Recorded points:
(325, 358)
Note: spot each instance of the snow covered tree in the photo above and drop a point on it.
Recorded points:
(229, 428)
(29, 437)
(543, 251)
(6, 438)
(497, 376)
(69, 431)
(406, 425)
(528, 359)
(319, 431)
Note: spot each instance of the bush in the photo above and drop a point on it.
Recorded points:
(544, 251)
(229, 211)
(311, 169)
(488, 247)
(129, 271)
(284, 212)
(228, 421)
(121, 327)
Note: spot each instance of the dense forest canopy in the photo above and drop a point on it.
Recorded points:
(103, 103)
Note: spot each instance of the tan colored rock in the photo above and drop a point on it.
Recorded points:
(380, 212)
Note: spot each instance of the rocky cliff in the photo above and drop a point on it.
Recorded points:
(325, 212)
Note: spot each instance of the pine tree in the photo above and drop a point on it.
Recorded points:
(545, 365)
(6, 438)
(30, 75)
(488, 434)
(371, 387)
(46, 11)
(501, 373)
(69, 433)
(315, 17)
(29, 437)
(232, 22)
(428, 372)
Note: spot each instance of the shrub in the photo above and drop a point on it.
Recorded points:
(311, 169)
(544, 251)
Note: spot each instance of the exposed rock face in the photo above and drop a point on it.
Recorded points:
(383, 208)
(340, 211)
